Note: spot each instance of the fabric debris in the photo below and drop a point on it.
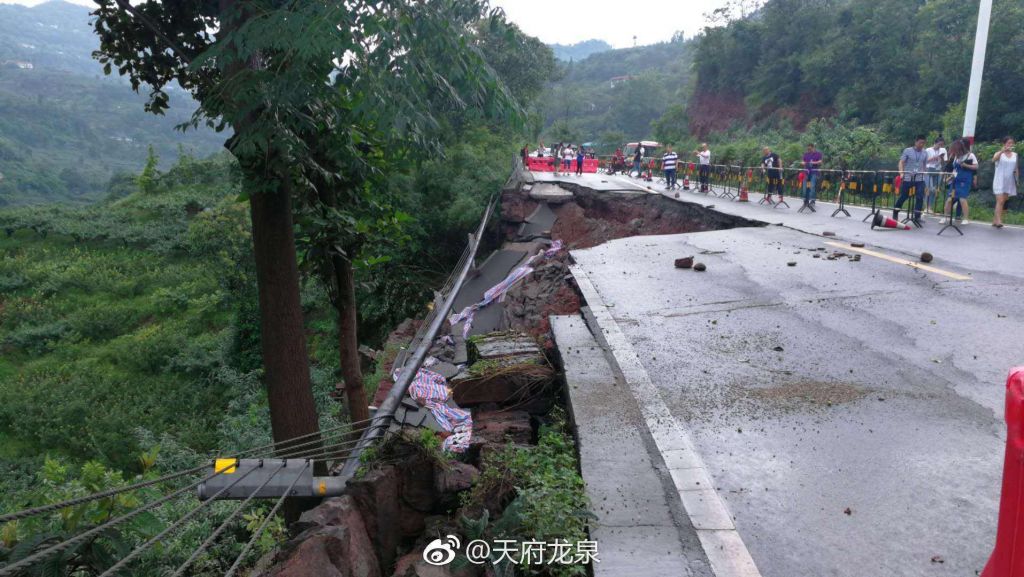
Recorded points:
(498, 291)
(431, 390)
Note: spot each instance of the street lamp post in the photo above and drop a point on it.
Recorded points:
(977, 69)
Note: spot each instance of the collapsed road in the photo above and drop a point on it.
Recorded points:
(844, 406)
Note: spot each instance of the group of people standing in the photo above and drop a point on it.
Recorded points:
(670, 160)
(924, 172)
(563, 154)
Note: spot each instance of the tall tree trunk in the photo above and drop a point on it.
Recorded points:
(282, 338)
(285, 360)
(348, 342)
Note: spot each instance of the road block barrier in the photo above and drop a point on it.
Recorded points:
(1007, 558)
(547, 164)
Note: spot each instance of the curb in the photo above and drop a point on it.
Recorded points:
(722, 544)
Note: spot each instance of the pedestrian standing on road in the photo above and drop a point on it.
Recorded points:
(1004, 184)
(668, 166)
(567, 155)
(638, 160)
(936, 161)
(913, 165)
(965, 167)
(556, 156)
(812, 165)
(771, 164)
(580, 155)
(704, 170)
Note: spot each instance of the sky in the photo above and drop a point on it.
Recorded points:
(571, 21)
(615, 22)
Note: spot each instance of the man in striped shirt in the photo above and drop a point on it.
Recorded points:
(668, 165)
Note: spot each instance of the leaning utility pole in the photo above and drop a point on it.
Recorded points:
(977, 69)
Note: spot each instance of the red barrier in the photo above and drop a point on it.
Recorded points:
(547, 164)
(1007, 558)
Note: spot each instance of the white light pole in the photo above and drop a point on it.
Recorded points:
(977, 69)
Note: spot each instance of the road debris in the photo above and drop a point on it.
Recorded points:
(686, 262)
(926, 257)
(700, 267)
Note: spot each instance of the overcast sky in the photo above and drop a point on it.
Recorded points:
(571, 21)
(615, 22)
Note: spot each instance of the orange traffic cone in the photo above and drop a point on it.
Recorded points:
(886, 222)
(686, 182)
(1006, 559)
(743, 188)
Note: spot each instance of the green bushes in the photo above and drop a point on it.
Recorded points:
(548, 501)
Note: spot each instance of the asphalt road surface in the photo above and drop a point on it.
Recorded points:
(848, 411)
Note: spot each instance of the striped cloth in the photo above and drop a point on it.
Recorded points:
(431, 390)
(498, 291)
(668, 162)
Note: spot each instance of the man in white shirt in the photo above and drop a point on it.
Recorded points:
(704, 173)
(936, 162)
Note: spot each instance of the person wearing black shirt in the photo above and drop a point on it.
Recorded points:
(772, 166)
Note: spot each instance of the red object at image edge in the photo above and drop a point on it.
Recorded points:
(1007, 558)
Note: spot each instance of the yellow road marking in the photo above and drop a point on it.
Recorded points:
(910, 263)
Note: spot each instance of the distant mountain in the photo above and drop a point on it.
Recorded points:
(616, 94)
(54, 35)
(65, 128)
(580, 50)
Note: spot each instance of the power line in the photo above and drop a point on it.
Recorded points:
(96, 496)
(45, 553)
(25, 513)
(213, 536)
(263, 525)
(181, 521)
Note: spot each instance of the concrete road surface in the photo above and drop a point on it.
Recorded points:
(849, 412)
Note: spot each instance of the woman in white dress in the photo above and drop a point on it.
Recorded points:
(1004, 184)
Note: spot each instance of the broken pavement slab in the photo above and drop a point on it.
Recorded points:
(509, 369)
(539, 223)
(548, 192)
(640, 529)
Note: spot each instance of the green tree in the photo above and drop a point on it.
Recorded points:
(148, 177)
(349, 221)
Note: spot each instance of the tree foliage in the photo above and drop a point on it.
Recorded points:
(896, 64)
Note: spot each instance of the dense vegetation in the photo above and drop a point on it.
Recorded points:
(135, 330)
(65, 130)
(128, 341)
(616, 95)
(900, 65)
(859, 78)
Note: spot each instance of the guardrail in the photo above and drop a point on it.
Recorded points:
(878, 189)
(424, 339)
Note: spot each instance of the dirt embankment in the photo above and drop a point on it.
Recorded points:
(594, 218)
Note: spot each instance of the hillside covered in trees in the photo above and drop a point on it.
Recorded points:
(134, 330)
(617, 94)
(900, 65)
(895, 67)
(65, 128)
